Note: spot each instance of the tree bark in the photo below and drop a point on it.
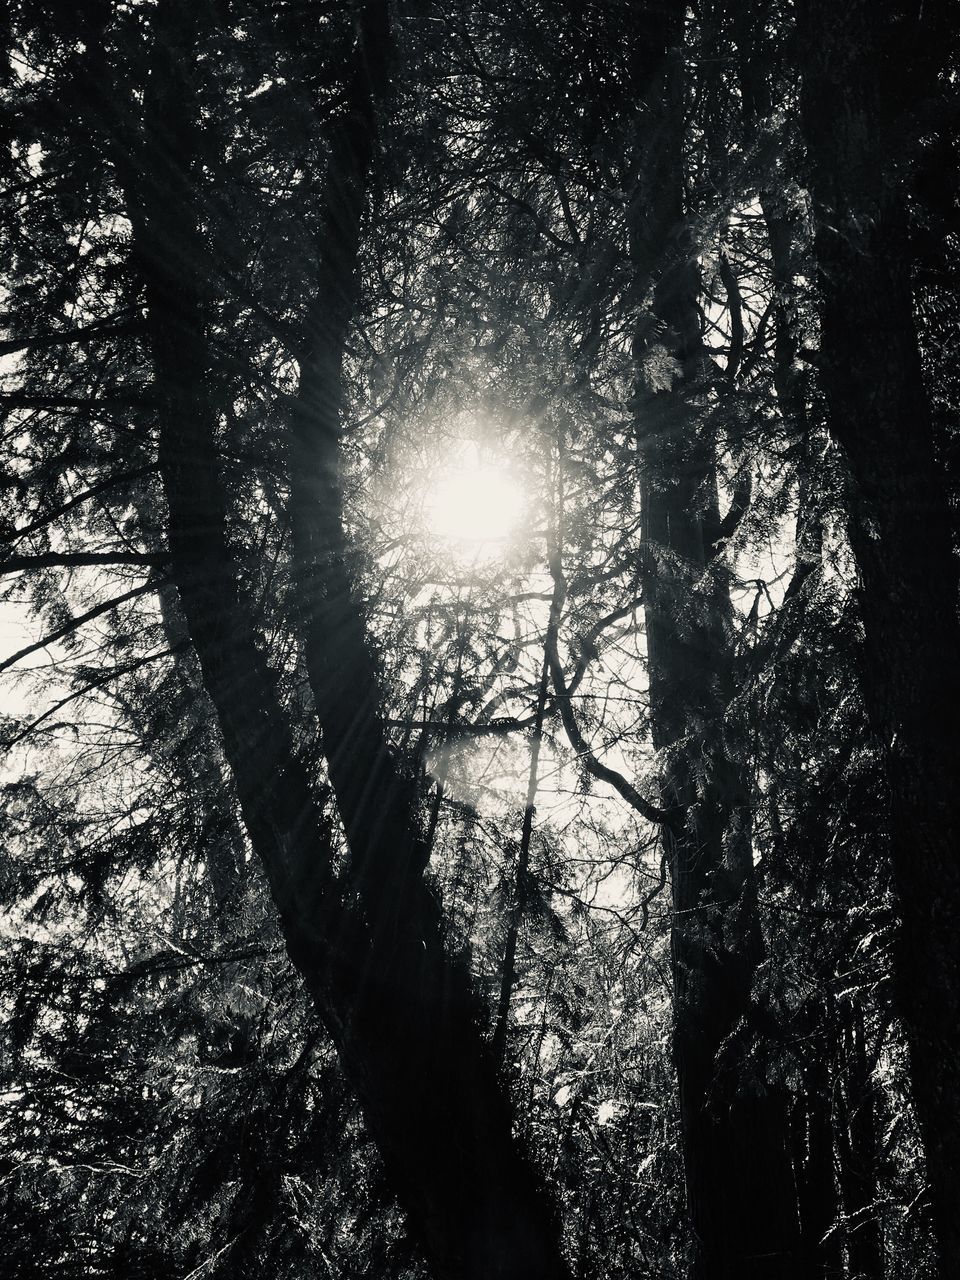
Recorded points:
(740, 1193)
(864, 76)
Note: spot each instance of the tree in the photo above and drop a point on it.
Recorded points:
(901, 526)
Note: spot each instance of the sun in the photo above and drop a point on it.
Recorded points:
(474, 505)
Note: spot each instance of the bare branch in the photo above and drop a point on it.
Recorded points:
(500, 724)
(587, 642)
(41, 522)
(87, 333)
(739, 506)
(735, 305)
(75, 623)
(114, 674)
(76, 559)
(613, 777)
(30, 400)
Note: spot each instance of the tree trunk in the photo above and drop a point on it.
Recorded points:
(740, 1192)
(813, 1154)
(863, 76)
(403, 1015)
(857, 1150)
(517, 902)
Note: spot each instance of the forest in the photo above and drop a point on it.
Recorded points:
(479, 640)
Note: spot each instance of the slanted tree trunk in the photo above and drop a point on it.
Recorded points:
(740, 1192)
(369, 944)
(521, 871)
(863, 80)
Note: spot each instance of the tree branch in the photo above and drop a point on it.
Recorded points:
(29, 400)
(735, 306)
(739, 506)
(76, 559)
(88, 333)
(125, 670)
(615, 779)
(587, 641)
(75, 623)
(42, 522)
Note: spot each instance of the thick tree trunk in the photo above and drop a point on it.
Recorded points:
(370, 946)
(740, 1191)
(862, 72)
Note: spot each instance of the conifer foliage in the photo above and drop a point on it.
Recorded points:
(478, 596)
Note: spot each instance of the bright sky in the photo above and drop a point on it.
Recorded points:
(16, 631)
